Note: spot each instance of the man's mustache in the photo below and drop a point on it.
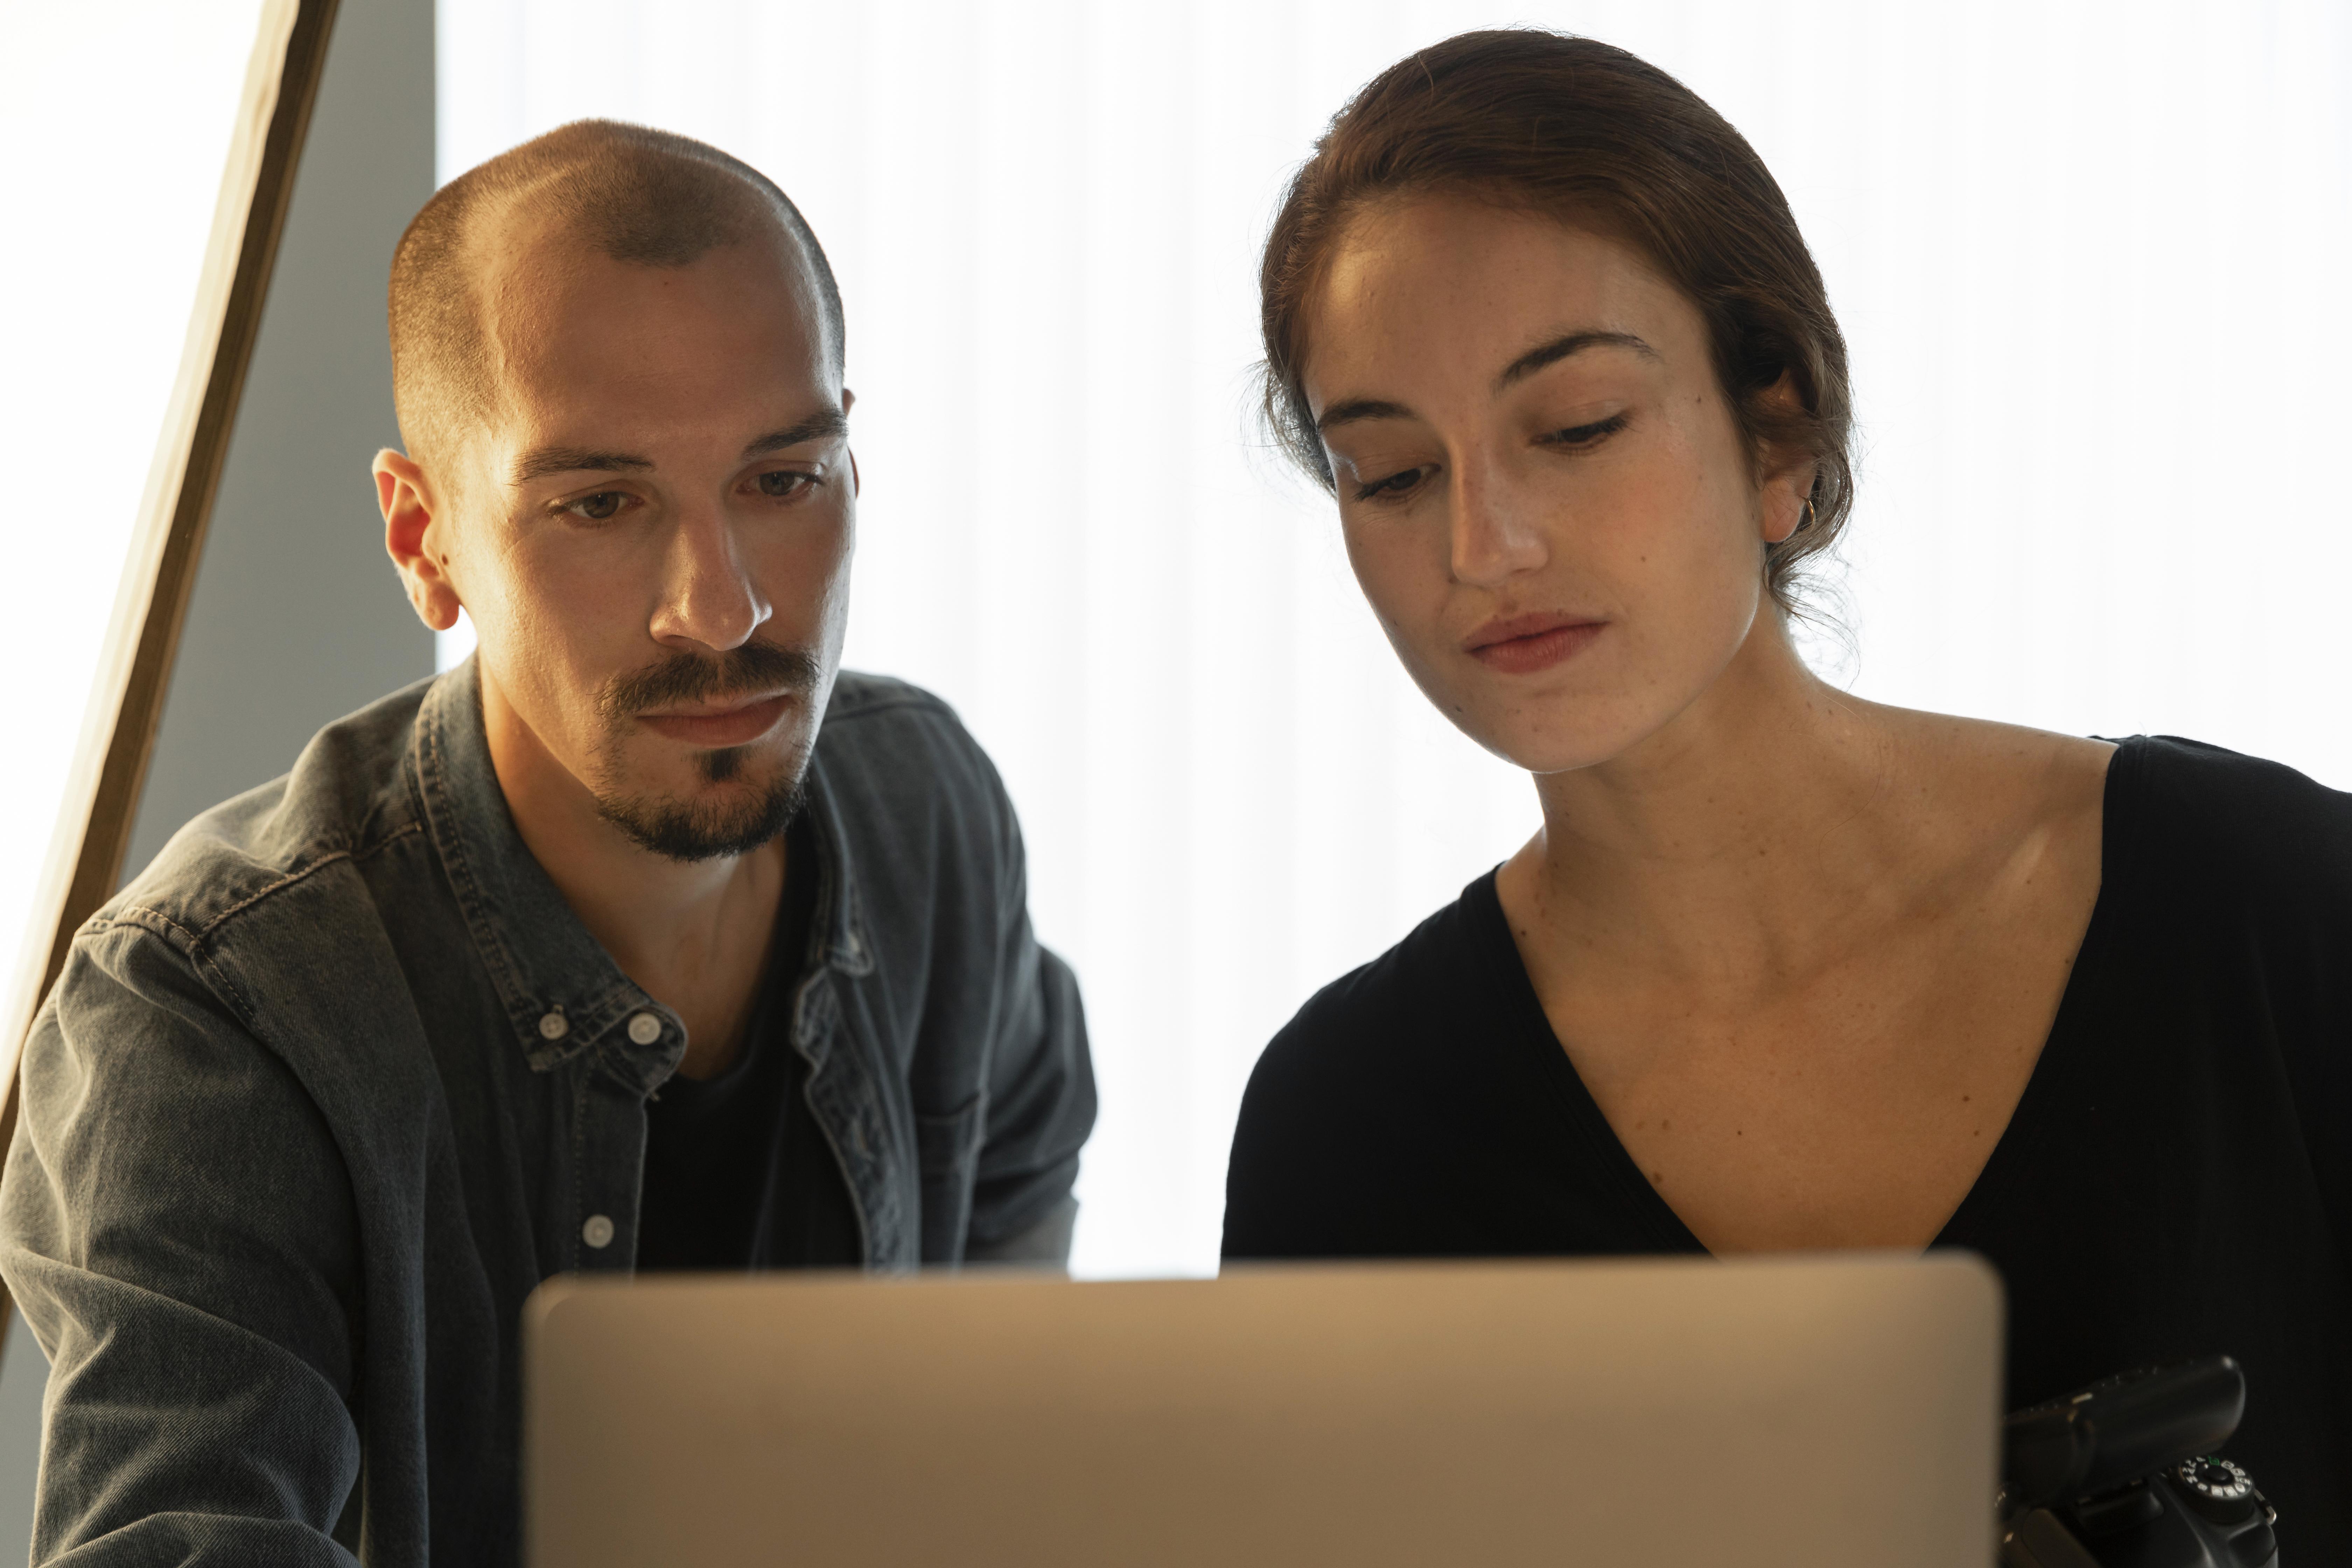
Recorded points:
(754, 670)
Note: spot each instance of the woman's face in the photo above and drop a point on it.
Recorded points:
(1543, 490)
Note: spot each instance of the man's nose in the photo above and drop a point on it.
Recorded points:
(708, 598)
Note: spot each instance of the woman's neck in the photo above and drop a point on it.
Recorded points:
(1737, 844)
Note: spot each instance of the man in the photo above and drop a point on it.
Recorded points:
(594, 953)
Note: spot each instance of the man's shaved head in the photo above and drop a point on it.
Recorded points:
(645, 197)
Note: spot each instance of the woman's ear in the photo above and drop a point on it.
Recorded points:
(1788, 504)
(1785, 479)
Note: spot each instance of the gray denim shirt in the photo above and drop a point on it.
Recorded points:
(326, 1092)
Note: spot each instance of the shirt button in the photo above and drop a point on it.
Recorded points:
(644, 1028)
(598, 1231)
(553, 1026)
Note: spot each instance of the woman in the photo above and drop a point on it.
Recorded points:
(1783, 969)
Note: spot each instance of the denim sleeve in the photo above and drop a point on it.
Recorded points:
(177, 1226)
(1041, 1092)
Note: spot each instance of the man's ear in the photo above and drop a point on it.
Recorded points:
(848, 402)
(416, 537)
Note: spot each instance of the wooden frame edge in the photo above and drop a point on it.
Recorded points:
(105, 838)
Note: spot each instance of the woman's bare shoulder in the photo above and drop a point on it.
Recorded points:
(2007, 789)
(1996, 769)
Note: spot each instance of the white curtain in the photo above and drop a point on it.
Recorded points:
(2090, 259)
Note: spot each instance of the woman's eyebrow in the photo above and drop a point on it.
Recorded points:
(1360, 408)
(1561, 347)
(1519, 369)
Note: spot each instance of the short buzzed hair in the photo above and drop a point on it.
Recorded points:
(651, 198)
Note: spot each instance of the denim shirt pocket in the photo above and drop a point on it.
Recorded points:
(946, 1154)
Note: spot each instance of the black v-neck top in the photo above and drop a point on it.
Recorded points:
(2175, 1181)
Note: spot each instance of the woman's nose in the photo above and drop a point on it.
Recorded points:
(1495, 535)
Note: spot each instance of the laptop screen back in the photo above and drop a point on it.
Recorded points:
(1820, 1412)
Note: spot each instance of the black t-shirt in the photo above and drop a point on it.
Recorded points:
(738, 1172)
(2174, 1182)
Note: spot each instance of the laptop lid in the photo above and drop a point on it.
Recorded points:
(1824, 1412)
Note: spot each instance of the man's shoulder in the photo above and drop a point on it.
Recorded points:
(870, 713)
(347, 794)
(859, 694)
(917, 812)
(902, 748)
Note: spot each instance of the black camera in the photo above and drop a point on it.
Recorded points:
(2126, 1475)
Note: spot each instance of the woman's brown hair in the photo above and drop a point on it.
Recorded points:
(1592, 135)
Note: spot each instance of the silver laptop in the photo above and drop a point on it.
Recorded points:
(1832, 1413)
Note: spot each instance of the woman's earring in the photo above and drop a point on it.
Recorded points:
(1804, 518)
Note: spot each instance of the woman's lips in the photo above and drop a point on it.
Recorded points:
(1526, 644)
(726, 727)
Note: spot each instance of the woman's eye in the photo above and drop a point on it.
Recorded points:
(601, 506)
(1586, 435)
(784, 484)
(1396, 484)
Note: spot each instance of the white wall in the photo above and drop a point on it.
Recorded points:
(297, 617)
(2087, 257)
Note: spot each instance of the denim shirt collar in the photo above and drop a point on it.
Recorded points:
(562, 994)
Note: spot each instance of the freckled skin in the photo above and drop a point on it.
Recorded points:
(1659, 529)
(1756, 904)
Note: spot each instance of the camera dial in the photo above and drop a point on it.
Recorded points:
(2215, 1487)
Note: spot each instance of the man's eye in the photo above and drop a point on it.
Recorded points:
(601, 506)
(784, 484)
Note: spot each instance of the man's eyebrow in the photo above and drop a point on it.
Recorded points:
(545, 460)
(1561, 347)
(1360, 408)
(831, 424)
